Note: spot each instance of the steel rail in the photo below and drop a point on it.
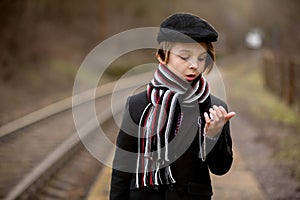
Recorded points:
(66, 104)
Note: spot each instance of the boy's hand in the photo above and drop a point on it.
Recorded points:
(219, 117)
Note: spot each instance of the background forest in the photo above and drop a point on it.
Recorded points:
(43, 42)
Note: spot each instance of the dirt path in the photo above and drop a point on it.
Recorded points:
(240, 182)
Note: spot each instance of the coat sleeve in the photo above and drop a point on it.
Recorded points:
(220, 156)
(124, 159)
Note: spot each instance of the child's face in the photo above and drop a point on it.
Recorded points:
(187, 60)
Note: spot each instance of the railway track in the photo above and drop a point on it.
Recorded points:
(42, 156)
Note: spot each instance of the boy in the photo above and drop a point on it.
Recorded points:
(176, 130)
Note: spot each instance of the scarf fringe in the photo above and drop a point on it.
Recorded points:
(202, 145)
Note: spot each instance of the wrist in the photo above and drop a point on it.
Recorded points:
(212, 136)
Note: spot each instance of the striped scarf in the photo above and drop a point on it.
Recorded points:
(159, 124)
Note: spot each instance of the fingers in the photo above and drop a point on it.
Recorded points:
(207, 120)
(223, 110)
(229, 116)
(206, 117)
(218, 113)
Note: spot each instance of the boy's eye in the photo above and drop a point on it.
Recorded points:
(184, 57)
(201, 59)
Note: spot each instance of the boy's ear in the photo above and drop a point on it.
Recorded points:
(160, 60)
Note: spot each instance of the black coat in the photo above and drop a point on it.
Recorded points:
(190, 172)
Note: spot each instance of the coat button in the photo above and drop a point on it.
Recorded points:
(171, 188)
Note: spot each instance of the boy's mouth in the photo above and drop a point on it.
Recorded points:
(190, 77)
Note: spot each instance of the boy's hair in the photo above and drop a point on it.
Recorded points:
(164, 52)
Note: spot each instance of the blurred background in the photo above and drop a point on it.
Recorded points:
(43, 43)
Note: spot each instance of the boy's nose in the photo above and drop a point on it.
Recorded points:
(193, 66)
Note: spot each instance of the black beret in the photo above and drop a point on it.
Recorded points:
(186, 28)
